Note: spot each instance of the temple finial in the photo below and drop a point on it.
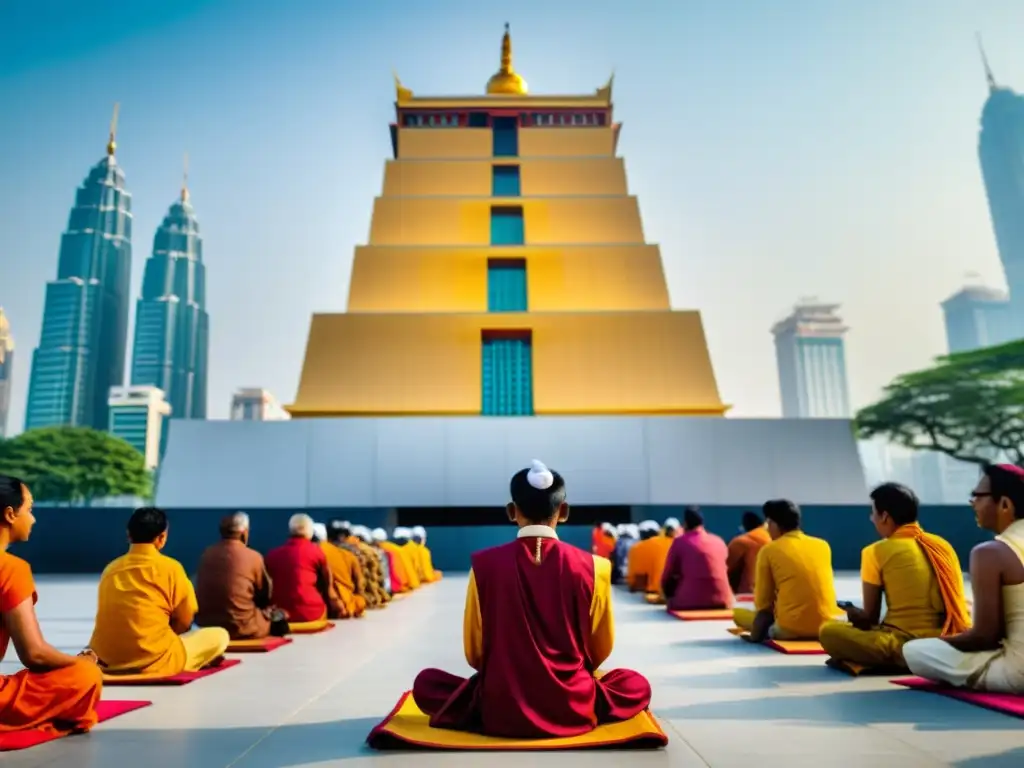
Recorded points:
(112, 141)
(401, 92)
(184, 181)
(984, 60)
(506, 51)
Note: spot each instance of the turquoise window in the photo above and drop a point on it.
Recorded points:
(506, 136)
(507, 226)
(505, 181)
(506, 285)
(507, 374)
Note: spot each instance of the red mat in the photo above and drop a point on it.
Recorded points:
(1006, 703)
(264, 645)
(107, 710)
(184, 678)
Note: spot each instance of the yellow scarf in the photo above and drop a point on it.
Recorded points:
(946, 566)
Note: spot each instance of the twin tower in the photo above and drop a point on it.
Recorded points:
(506, 274)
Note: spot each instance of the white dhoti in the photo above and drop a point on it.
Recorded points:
(994, 671)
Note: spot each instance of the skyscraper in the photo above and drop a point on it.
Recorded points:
(81, 352)
(137, 416)
(976, 317)
(171, 324)
(811, 357)
(507, 274)
(6, 370)
(1001, 151)
(253, 404)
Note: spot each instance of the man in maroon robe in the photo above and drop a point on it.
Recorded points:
(303, 587)
(538, 624)
(696, 575)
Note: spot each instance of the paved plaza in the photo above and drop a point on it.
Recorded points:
(722, 702)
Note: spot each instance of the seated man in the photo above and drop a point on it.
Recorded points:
(794, 593)
(743, 551)
(233, 587)
(370, 560)
(919, 575)
(55, 691)
(628, 535)
(346, 571)
(303, 587)
(399, 577)
(659, 558)
(383, 556)
(419, 538)
(990, 655)
(604, 544)
(403, 537)
(536, 664)
(147, 605)
(695, 576)
(641, 558)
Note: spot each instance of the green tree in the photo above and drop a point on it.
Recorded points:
(75, 464)
(969, 405)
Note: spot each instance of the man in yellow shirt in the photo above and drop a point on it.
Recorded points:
(919, 575)
(794, 593)
(146, 607)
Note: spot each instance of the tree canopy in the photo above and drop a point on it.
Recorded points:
(75, 464)
(969, 405)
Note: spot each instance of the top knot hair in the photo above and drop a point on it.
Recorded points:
(538, 492)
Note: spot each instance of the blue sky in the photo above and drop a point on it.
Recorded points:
(779, 150)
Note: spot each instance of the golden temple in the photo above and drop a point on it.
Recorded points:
(506, 273)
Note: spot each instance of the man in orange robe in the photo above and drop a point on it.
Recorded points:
(659, 558)
(743, 550)
(346, 572)
(399, 576)
(56, 692)
(419, 538)
(639, 562)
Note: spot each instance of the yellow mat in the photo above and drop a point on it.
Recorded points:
(408, 728)
(708, 614)
(791, 647)
(309, 627)
(654, 598)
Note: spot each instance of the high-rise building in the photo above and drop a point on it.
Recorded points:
(6, 370)
(506, 274)
(81, 352)
(253, 404)
(811, 357)
(1001, 151)
(976, 317)
(137, 416)
(171, 325)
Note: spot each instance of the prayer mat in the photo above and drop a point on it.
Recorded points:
(182, 678)
(1006, 703)
(106, 710)
(263, 645)
(789, 647)
(407, 728)
(309, 627)
(858, 670)
(653, 598)
(712, 614)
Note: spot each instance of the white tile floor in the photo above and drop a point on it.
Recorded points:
(722, 702)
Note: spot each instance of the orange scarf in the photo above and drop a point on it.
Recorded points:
(946, 566)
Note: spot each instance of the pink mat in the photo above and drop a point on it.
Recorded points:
(1007, 703)
(106, 710)
(184, 678)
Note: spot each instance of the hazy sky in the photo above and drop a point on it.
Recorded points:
(779, 150)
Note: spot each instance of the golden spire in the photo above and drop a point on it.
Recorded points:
(112, 143)
(184, 182)
(401, 92)
(506, 82)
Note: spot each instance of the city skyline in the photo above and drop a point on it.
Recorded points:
(690, 208)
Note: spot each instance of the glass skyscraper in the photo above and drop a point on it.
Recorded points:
(171, 324)
(1001, 151)
(81, 352)
(811, 358)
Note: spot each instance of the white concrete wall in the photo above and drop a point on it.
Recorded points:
(441, 462)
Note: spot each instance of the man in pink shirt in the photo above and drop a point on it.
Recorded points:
(696, 576)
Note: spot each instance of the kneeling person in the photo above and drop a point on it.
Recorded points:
(794, 593)
(919, 575)
(538, 625)
(57, 692)
(146, 608)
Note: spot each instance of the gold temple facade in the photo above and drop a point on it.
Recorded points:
(506, 273)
